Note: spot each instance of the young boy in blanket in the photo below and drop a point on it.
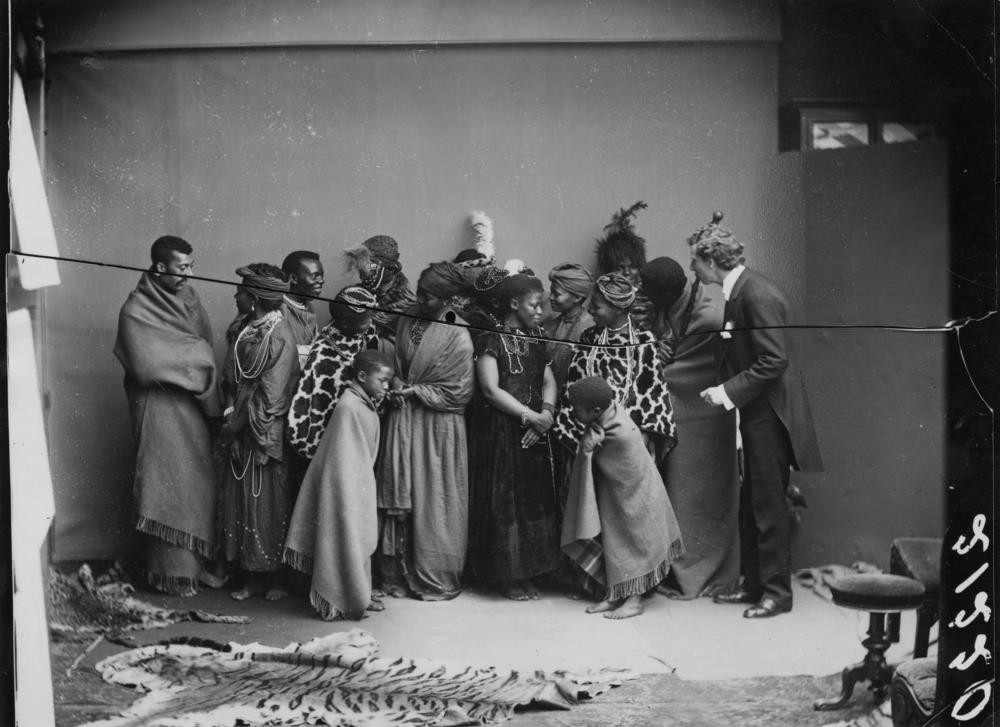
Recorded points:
(334, 528)
(619, 530)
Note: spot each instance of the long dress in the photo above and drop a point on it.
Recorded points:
(620, 530)
(164, 344)
(423, 475)
(701, 471)
(258, 499)
(334, 527)
(513, 518)
(629, 364)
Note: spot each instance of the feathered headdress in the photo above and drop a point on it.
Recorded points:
(482, 233)
(620, 245)
(483, 251)
(517, 265)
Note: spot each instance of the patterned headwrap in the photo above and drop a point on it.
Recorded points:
(617, 290)
(591, 392)
(384, 250)
(489, 278)
(264, 287)
(573, 278)
(356, 298)
(443, 280)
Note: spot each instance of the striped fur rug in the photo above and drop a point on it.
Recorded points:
(338, 680)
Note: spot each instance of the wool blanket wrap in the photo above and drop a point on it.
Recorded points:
(165, 345)
(338, 680)
(334, 528)
(619, 527)
(423, 473)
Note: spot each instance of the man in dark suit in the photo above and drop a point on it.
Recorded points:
(758, 379)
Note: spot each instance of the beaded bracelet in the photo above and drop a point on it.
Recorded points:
(524, 417)
(550, 408)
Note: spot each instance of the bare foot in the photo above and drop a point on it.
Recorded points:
(377, 593)
(375, 606)
(514, 591)
(241, 595)
(276, 593)
(206, 578)
(397, 591)
(531, 590)
(601, 607)
(332, 616)
(631, 606)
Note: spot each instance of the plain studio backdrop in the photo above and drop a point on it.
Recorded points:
(255, 129)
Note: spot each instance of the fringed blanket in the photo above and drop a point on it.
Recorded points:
(81, 606)
(334, 527)
(619, 527)
(339, 680)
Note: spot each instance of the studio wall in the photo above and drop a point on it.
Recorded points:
(251, 153)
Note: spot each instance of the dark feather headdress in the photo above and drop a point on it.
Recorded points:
(620, 244)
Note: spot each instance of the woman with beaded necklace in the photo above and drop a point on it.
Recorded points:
(513, 515)
(259, 377)
(626, 358)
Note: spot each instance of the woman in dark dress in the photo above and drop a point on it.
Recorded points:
(514, 527)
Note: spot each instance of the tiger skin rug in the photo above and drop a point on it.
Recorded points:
(81, 606)
(338, 680)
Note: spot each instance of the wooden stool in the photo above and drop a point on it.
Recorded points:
(919, 559)
(878, 594)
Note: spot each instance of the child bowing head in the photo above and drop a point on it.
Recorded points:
(372, 371)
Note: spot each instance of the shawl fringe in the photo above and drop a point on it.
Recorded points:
(298, 560)
(649, 581)
(326, 610)
(174, 537)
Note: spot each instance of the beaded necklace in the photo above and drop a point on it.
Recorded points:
(515, 345)
(602, 339)
(265, 327)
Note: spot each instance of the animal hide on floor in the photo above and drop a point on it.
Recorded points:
(81, 606)
(337, 680)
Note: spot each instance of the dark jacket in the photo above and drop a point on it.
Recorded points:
(754, 362)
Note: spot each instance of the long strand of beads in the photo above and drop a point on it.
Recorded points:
(266, 325)
(243, 474)
(256, 479)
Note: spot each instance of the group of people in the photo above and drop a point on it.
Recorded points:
(433, 438)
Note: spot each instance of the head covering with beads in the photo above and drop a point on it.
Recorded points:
(356, 298)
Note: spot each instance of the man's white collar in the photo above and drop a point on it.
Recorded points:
(729, 282)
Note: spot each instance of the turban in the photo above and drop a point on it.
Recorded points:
(264, 287)
(591, 392)
(443, 280)
(663, 280)
(573, 278)
(356, 298)
(617, 290)
(470, 257)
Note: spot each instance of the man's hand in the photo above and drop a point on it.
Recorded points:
(714, 395)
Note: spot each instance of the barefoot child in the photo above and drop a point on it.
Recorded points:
(619, 529)
(334, 528)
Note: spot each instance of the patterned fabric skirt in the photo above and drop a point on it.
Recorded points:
(257, 505)
(513, 512)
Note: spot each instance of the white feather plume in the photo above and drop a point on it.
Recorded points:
(482, 231)
(514, 265)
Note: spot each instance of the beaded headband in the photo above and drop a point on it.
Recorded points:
(490, 278)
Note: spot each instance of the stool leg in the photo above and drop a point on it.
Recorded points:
(849, 677)
(873, 669)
